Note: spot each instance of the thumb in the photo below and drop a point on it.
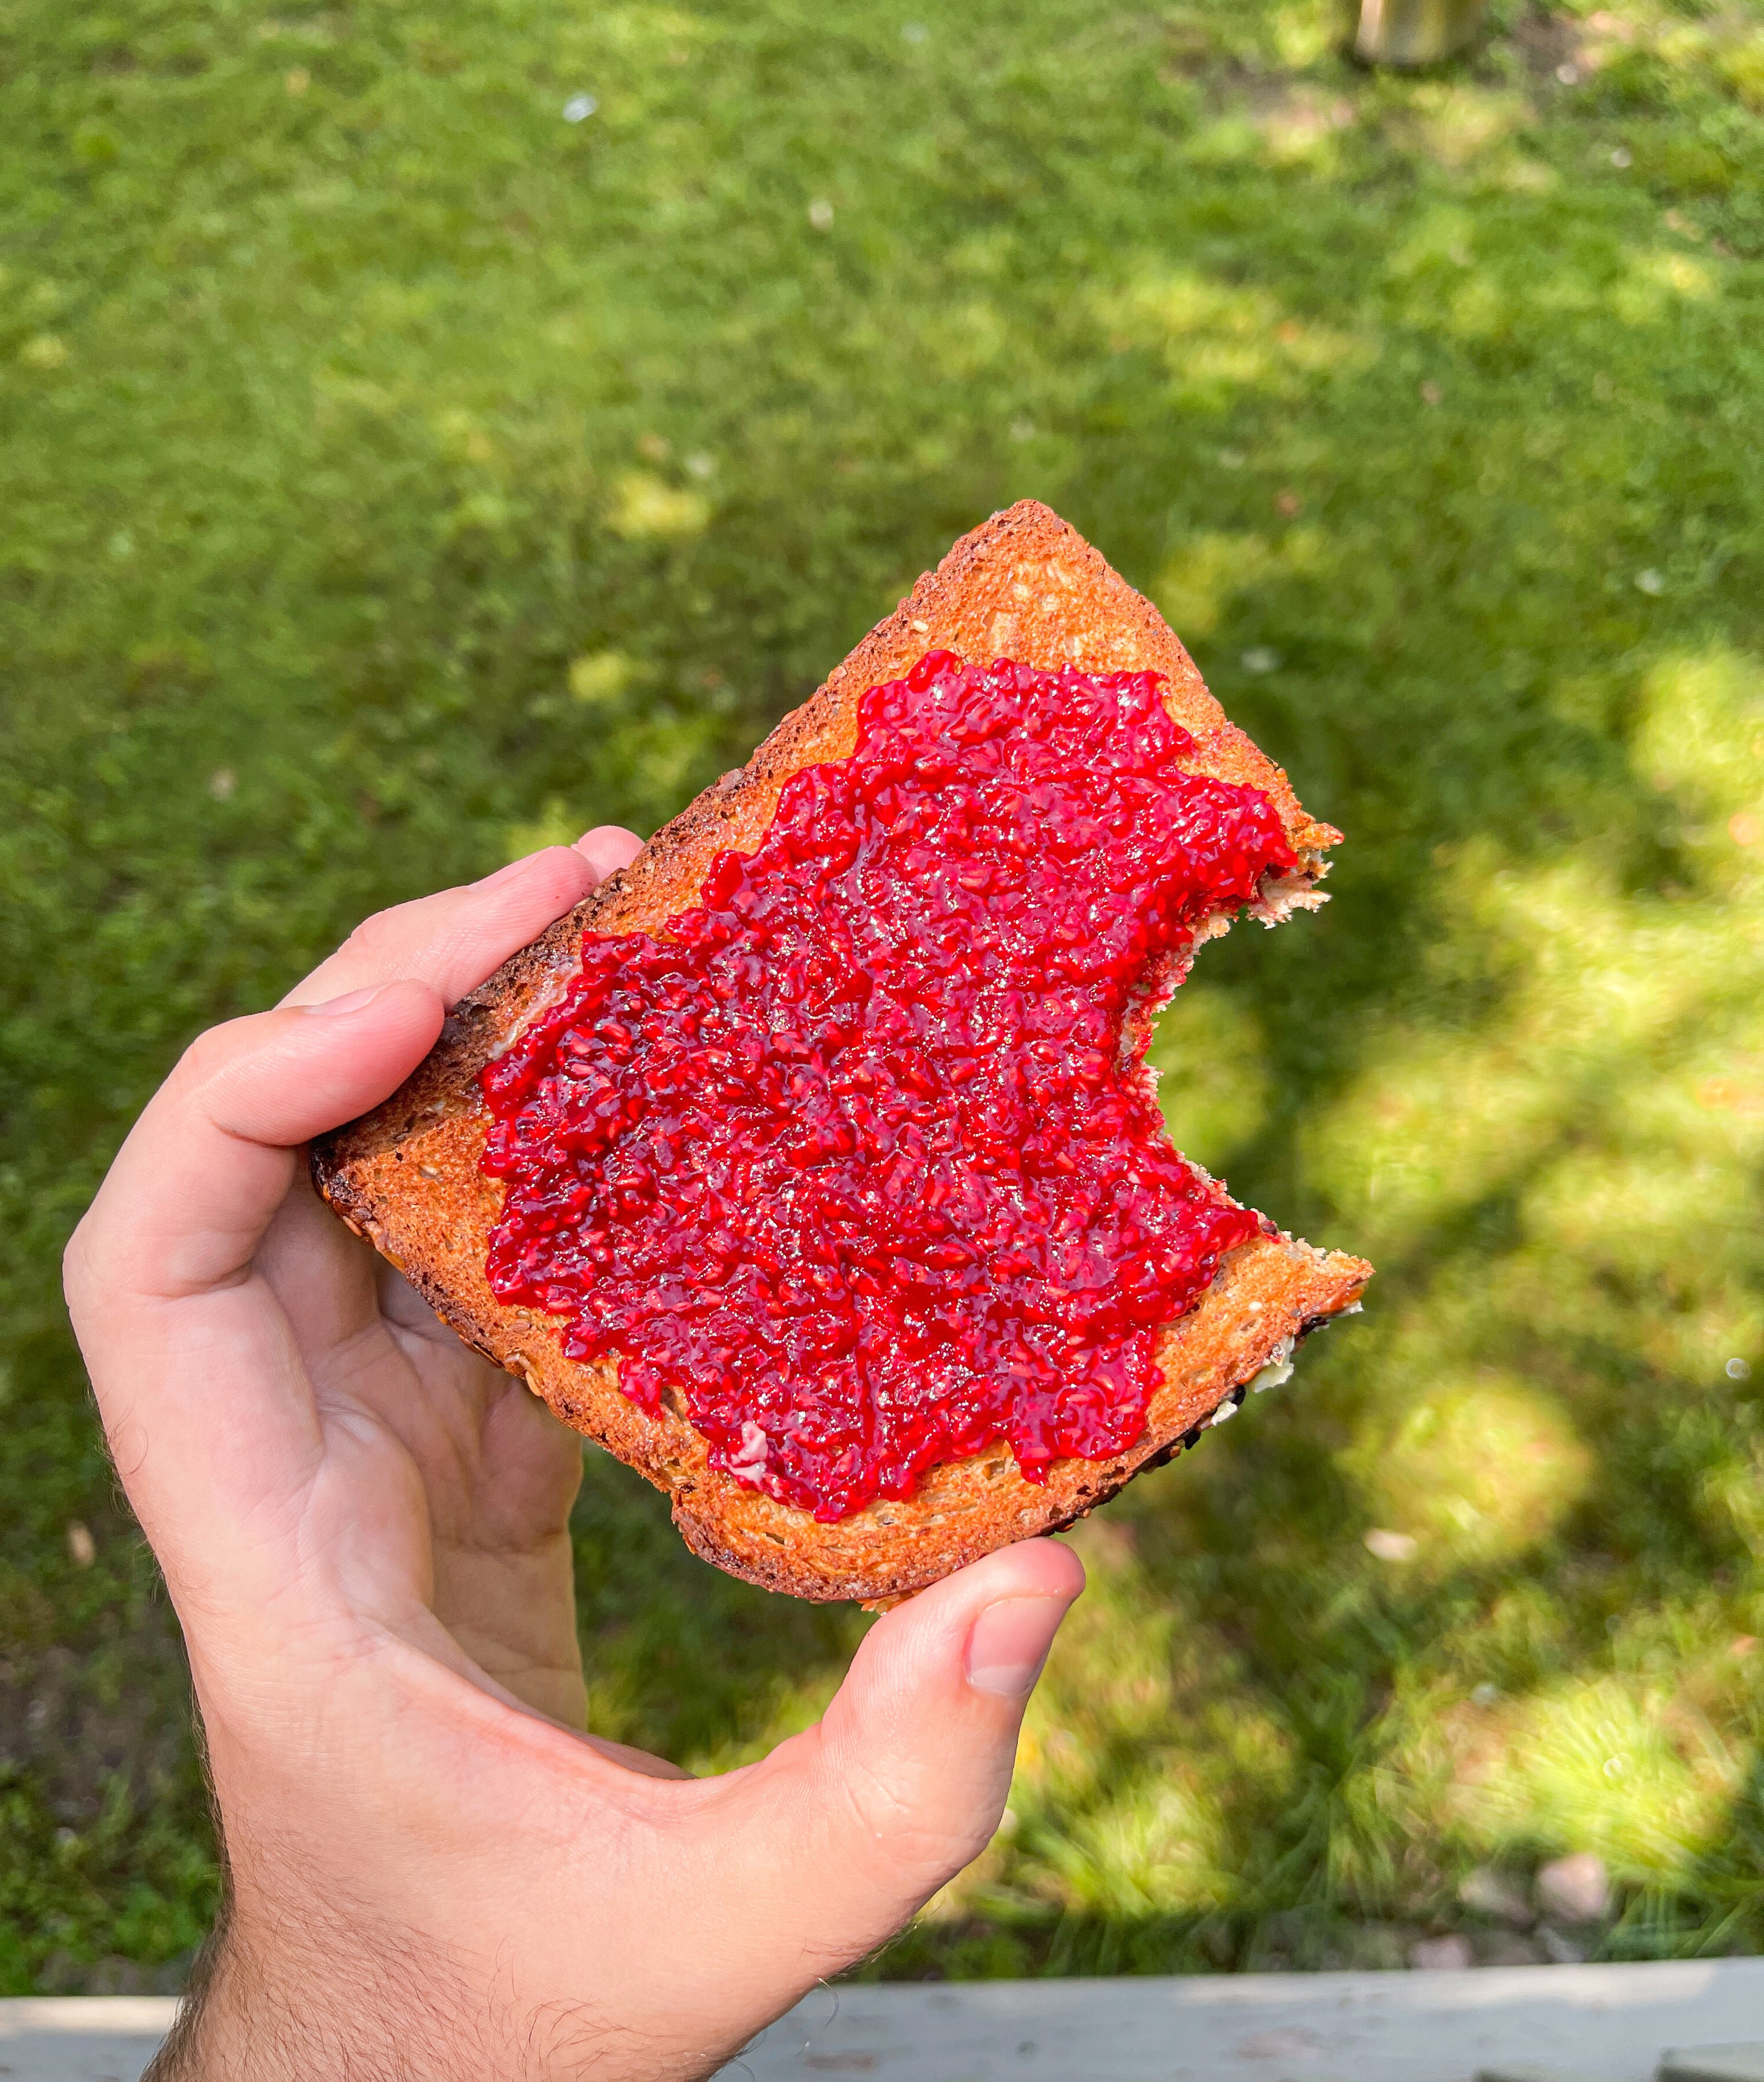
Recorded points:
(904, 1782)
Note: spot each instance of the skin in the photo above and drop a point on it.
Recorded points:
(434, 1871)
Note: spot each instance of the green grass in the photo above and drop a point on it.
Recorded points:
(393, 474)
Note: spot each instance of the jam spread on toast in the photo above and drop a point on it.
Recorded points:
(857, 1166)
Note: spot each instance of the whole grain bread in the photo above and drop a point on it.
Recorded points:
(1025, 586)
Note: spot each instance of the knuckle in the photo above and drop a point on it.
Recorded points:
(204, 1056)
(79, 1278)
(203, 1067)
(914, 1836)
(373, 937)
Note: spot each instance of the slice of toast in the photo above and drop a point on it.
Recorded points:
(1024, 586)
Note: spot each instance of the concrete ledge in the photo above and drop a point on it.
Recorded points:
(1606, 2024)
(82, 2038)
(1609, 2023)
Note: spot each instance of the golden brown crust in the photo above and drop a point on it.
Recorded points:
(1023, 585)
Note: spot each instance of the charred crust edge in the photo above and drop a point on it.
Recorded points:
(881, 1588)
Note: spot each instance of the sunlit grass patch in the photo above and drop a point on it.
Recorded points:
(1610, 1765)
(1457, 122)
(1477, 1468)
(1219, 337)
(647, 506)
(600, 676)
(1213, 568)
(1700, 734)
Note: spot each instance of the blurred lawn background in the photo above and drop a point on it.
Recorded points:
(396, 474)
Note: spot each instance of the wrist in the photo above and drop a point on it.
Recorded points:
(303, 1994)
(305, 1991)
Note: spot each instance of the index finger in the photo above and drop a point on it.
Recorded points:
(453, 941)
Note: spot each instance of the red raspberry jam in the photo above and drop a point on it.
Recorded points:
(857, 1161)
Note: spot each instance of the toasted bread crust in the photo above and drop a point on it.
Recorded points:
(1023, 585)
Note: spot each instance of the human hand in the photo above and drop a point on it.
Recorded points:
(363, 1527)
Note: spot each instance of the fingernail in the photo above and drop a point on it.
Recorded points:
(608, 848)
(351, 1000)
(1009, 1643)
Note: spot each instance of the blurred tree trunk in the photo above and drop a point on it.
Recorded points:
(1414, 32)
